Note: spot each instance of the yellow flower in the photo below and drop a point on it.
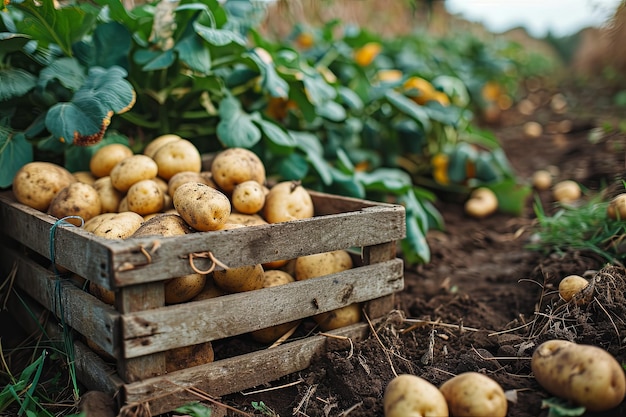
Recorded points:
(366, 54)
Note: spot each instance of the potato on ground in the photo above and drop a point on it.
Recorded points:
(36, 183)
(114, 225)
(145, 197)
(236, 165)
(617, 207)
(287, 201)
(411, 396)
(203, 207)
(572, 286)
(132, 170)
(77, 199)
(587, 375)
(177, 156)
(482, 203)
(105, 158)
(566, 191)
(474, 394)
(271, 334)
(320, 264)
(239, 279)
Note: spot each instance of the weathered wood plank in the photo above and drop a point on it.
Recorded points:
(190, 323)
(372, 255)
(234, 374)
(83, 312)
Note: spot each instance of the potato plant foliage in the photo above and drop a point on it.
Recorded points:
(338, 108)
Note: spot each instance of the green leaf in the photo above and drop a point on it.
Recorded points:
(386, 179)
(293, 167)
(270, 80)
(12, 42)
(67, 71)
(314, 150)
(15, 83)
(112, 42)
(275, 133)
(15, 152)
(409, 108)
(318, 90)
(154, 60)
(562, 408)
(218, 37)
(236, 128)
(195, 410)
(350, 98)
(332, 111)
(460, 156)
(193, 53)
(512, 197)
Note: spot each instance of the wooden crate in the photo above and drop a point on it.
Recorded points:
(140, 328)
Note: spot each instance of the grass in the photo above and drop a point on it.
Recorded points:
(583, 227)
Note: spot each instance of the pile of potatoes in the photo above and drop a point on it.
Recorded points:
(164, 191)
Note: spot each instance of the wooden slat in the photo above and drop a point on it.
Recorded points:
(83, 312)
(234, 374)
(372, 255)
(190, 323)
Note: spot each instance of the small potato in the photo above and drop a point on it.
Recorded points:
(163, 225)
(155, 144)
(236, 165)
(177, 156)
(114, 225)
(248, 197)
(566, 191)
(77, 199)
(36, 183)
(584, 374)
(85, 177)
(617, 207)
(105, 158)
(338, 318)
(532, 130)
(474, 394)
(131, 170)
(572, 285)
(110, 197)
(188, 356)
(321, 264)
(240, 279)
(287, 201)
(182, 289)
(411, 396)
(204, 208)
(542, 180)
(181, 178)
(271, 334)
(145, 197)
(482, 203)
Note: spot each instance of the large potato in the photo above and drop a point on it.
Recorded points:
(132, 170)
(584, 374)
(411, 396)
(203, 207)
(320, 264)
(36, 183)
(155, 144)
(77, 199)
(177, 156)
(145, 197)
(181, 289)
(166, 224)
(474, 394)
(287, 201)
(105, 158)
(240, 279)
(114, 225)
(236, 165)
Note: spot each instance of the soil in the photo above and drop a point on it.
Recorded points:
(484, 301)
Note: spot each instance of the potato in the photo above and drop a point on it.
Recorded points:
(542, 180)
(188, 356)
(320, 264)
(84, 177)
(236, 165)
(532, 130)
(572, 285)
(110, 197)
(246, 219)
(248, 197)
(105, 158)
(584, 374)
(482, 203)
(240, 279)
(566, 191)
(181, 178)
(114, 225)
(271, 334)
(36, 183)
(177, 156)
(123, 205)
(163, 225)
(411, 396)
(77, 199)
(132, 170)
(339, 317)
(204, 208)
(287, 201)
(145, 197)
(155, 144)
(184, 288)
(210, 290)
(474, 394)
(617, 207)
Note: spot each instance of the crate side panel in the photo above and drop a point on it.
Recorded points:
(195, 322)
(83, 312)
(73, 248)
(169, 257)
(235, 374)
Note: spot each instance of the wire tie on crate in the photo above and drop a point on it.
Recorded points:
(208, 254)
